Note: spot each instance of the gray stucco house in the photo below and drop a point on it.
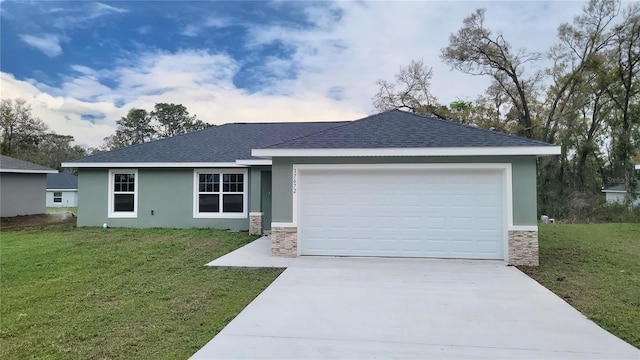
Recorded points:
(22, 187)
(62, 190)
(391, 184)
(616, 194)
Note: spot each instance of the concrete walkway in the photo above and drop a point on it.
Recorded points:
(255, 254)
(365, 308)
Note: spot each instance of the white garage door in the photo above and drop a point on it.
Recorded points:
(402, 212)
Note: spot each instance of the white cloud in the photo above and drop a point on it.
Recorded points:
(372, 40)
(143, 30)
(84, 14)
(340, 58)
(200, 80)
(99, 9)
(63, 114)
(49, 44)
(216, 22)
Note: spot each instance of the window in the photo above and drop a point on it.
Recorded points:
(57, 197)
(123, 193)
(220, 194)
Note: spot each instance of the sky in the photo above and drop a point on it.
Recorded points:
(82, 65)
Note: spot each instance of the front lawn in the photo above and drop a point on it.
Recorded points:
(85, 293)
(596, 269)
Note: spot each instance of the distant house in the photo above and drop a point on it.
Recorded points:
(615, 194)
(62, 190)
(22, 187)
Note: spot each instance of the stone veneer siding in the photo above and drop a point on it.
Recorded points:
(523, 245)
(523, 248)
(255, 223)
(284, 241)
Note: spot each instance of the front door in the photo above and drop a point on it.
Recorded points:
(266, 200)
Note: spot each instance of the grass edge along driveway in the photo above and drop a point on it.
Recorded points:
(596, 269)
(85, 293)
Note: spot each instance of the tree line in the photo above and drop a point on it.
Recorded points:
(582, 94)
(140, 126)
(24, 136)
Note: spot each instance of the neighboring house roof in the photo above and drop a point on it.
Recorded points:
(618, 189)
(62, 181)
(12, 165)
(391, 130)
(224, 143)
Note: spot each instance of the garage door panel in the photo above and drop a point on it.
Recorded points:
(421, 213)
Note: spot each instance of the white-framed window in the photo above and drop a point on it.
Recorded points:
(220, 193)
(57, 197)
(123, 193)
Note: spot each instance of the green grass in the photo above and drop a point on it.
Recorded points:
(596, 269)
(85, 293)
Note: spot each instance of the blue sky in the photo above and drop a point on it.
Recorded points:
(82, 65)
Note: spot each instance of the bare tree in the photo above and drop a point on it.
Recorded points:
(475, 50)
(410, 91)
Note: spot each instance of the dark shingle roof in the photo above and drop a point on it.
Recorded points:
(224, 143)
(231, 142)
(9, 164)
(62, 181)
(401, 129)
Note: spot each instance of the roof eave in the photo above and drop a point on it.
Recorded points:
(24, 171)
(450, 151)
(112, 165)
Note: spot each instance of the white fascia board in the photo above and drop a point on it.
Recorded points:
(453, 151)
(113, 165)
(250, 162)
(21, 171)
(63, 190)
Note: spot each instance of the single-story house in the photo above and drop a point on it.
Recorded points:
(22, 187)
(390, 184)
(616, 194)
(62, 190)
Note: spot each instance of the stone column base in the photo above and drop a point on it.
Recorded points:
(284, 241)
(523, 248)
(255, 223)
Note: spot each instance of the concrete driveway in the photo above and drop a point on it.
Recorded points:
(364, 308)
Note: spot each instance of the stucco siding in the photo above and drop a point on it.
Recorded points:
(169, 193)
(69, 198)
(22, 194)
(523, 179)
(617, 197)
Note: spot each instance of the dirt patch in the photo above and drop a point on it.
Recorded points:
(17, 223)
